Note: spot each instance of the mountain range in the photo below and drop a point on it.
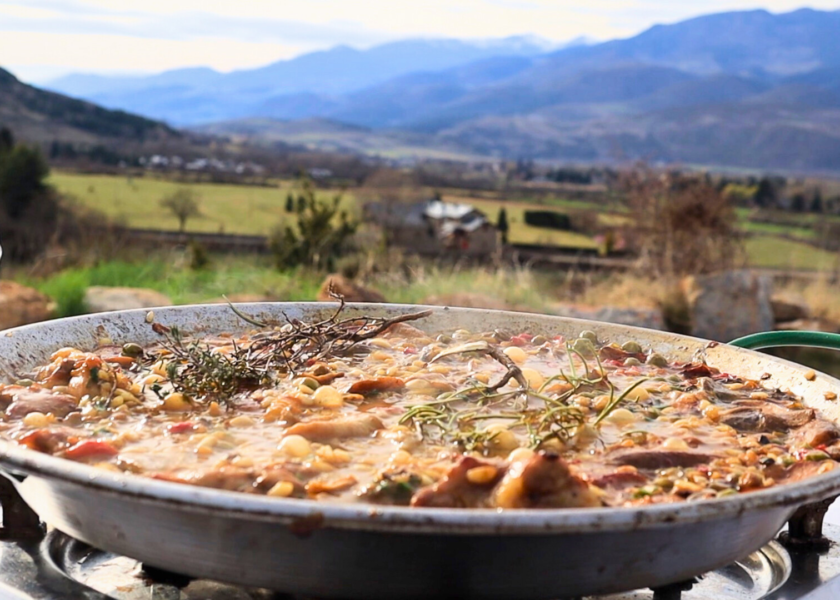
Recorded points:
(747, 89)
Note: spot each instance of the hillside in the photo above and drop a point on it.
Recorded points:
(39, 116)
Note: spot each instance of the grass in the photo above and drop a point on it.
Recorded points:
(171, 276)
(252, 209)
(258, 210)
(136, 202)
(774, 252)
(228, 276)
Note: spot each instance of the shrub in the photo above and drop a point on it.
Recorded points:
(682, 224)
(548, 219)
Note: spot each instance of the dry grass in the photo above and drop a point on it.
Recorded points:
(822, 295)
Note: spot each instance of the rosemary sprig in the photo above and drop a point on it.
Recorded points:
(615, 401)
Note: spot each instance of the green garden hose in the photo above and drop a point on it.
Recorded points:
(775, 339)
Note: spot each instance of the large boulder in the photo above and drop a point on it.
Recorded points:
(21, 305)
(352, 291)
(649, 318)
(728, 305)
(789, 307)
(104, 299)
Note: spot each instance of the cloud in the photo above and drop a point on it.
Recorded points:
(156, 35)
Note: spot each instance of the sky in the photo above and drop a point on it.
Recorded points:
(43, 39)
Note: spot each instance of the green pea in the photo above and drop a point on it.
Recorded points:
(657, 360)
(632, 362)
(539, 340)
(24, 382)
(133, 350)
(584, 346)
(311, 383)
(631, 347)
(589, 335)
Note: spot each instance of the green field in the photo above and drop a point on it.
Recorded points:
(779, 253)
(258, 210)
(136, 203)
(250, 209)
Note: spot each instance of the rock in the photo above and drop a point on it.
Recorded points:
(21, 305)
(728, 305)
(351, 291)
(812, 324)
(103, 299)
(788, 307)
(649, 318)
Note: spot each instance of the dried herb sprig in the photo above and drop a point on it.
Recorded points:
(197, 370)
(299, 344)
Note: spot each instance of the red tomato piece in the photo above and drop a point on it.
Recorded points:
(182, 427)
(90, 449)
(521, 340)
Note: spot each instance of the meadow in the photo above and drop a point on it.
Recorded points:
(135, 202)
(225, 208)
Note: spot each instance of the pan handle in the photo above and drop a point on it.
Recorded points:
(776, 339)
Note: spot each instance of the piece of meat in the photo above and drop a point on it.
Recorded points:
(330, 486)
(693, 371)
(765, 417)
(759, 415)
(798, 470)
(27, 400)
(326, 378)
(275, 474)
(322, 431)
(392, 487)
(815, 433)
(658, 458)
(230, 478)
(376, 385)
(49, 440)
(543, 481)
(619, 480)
(455, 490)
(56, 373)
(404, 330)
(615, 353)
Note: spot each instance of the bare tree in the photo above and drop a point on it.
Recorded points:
(183, 204)
(682, 224)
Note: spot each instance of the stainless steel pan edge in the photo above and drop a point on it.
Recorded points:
(207, 532)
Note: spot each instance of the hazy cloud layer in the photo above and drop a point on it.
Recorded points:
(151, 35)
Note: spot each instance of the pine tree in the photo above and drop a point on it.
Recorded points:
(290, 203)
(502, 224)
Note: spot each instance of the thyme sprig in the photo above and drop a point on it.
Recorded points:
(196, 370)
(200, 372)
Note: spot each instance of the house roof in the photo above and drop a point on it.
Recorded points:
(435, 209)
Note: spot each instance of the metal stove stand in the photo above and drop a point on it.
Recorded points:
(36, 564)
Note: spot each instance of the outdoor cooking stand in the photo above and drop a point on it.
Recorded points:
(37, 564)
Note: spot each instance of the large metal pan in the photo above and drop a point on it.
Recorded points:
(377, 552)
